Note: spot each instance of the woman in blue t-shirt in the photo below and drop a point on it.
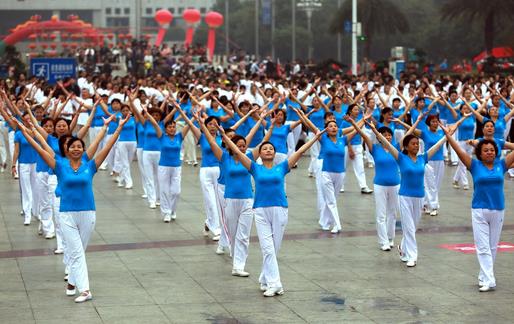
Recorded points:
(270, 205)
(386, 184)
(237, 213)
(488, 203)
(280, 133)
(77, 209)
(170, 164)
(412, 189)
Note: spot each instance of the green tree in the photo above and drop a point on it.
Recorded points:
(376, 16)
(488, 12)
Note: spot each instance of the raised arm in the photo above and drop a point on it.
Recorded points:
(216, 150)
(91, 150)
(49, 159)
(83, 131)
(245, 160)
(196, 132)
(478, 116)
(100, 157)
(293, 159)
(155, 124)
(463, 156)
(243, 119)
(390, 147)
(365, 138)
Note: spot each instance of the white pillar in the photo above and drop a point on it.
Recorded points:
(354, 37)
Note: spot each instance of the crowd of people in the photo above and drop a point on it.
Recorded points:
(251, 130)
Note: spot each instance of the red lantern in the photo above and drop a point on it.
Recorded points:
(147, 36)
(53, 45)
(32, 46)
(64, 45)
(163, 18)
(64, 36)
(110, 36)
(121, 36)
(44, 45)
(73, 45)
(214, 20)
(128, 36)
(32, 36)
(191, 17)
(111, 45)
(53, 36)
(44, 36)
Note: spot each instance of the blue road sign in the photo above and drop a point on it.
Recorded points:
(53, 69)
(347, 26)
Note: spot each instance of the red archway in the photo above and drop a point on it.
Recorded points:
(36, 27)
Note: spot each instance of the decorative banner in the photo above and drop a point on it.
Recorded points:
(163, 18)
(469, 248)
(214, 20)
(266, 12)
(191, 17)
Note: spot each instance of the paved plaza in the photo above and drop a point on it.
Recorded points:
(142, 270)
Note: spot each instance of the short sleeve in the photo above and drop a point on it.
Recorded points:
(253, 168)
(58, 165)
(288, 128)
(284, 166)
(17, 136)
(425, 157)
(504, 166)
(474, 164)
(249, 154)
(374, 149)
(92, 166)
(179, 136)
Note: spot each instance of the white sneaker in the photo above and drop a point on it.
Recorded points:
(485, 288)
(263, 287)
(366, 191)
(58, 251)
(173, 216)
(84, 296)
(195, 163)
(481, 283)
(391, 244)
(335, 230)
(370, 165)
(49, 236)
(144, 196)
(205, 231)
(128, 187)
(325, 228)
(385, 247)
(220, 250)
(216, 237)
(157, 203)
(240, 273)
(66, 276)
(40, 229)
(310, 174)
(116, 179)
(120, 184)
(426, 210)
(167, 218)
(273, 291)
(411, 264)
(71, 292)
(433, 212)
(456, 185)
(26, 222)
(341, 190)
(103, 166)
(465, 187)
(152, 206)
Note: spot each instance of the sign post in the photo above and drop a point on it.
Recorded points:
(53, 69)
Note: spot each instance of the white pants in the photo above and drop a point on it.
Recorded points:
(331, 183)
(447, 148)
(461, 174)
(27, 173)
(77, 228)
(270, 223)
(188, 151)
(144, 179)
(10, 139)
(169, 184)
(111, 156)
(320, 200)
(367, 153)
(58, 228)
(314, 153)
(398, 135)
(487, 227)
(151, 166)
(292, 138)
(386, 208)
(46, 185)
(208, 180)
(434, 172)
(239, 217)
(93, 132)
(358, 165)
(410, 212)
(4, 143)
(220, 207)
(124, 157)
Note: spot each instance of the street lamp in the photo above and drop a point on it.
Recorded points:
(309, 6)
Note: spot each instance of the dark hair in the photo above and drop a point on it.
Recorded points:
(328, 114)
(488, 121)
(330, 121)
(62, 140)
(406, 141)
(61, 119)
(350, 107)
(384, 111)
(384, 129)
(264, 143)
(74, 139)
(169, 122)
(236, 138)
(46, 120)
(280, 111)
(430, 117)
(155, 111)
(396, 99)
(211, 118)
(420, 99)
(481, 143)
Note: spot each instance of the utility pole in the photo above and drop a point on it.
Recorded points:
(137, 20)
(293, 28)
(309, 6)
(339, 58)
(354, 37)
(257, 29)
(227, 27)
(273, 9)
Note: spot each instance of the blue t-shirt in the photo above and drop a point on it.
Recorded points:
(76, 187)
(500, 143)
(208, 158)
(216, 113)
(140, 128)
(412, 175)
(259, 135)
(170, 150)
(114, 124)
(269, 185)
(41, 165)
(151, 141)
(357, 139)
(279, 138)
(386, 168)
(397, 114)
(339, 116)
(333, 153)
(27, 154)
(467, 129)
(291, 114)
(97, 118)
(238, 181)
(128, 132)
(499, 127)
(318, 118)
(430, 139)
(488, 185)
